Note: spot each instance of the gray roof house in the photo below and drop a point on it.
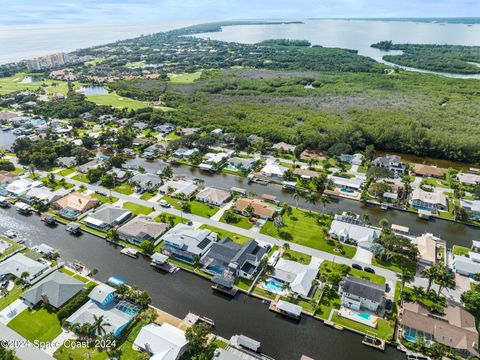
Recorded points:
(55, 289)
(18, 264)
(187, 243)
(146, 182)
(67, 161)
(298, 276)
(213, 196)
(360, 294)
(391, 162)
(141, 228)
(226, 256)
(350, 229)
(93, 164)
(106, 217)
(242, 163)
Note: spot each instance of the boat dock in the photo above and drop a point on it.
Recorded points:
(374, 342)
(285, 308)
(192, 319)
(224, 290)
(160, 261)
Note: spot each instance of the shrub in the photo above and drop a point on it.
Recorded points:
(73, 305)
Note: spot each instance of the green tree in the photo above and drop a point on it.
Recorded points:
(147, 246)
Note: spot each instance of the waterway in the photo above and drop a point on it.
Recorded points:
(453, 233)
(182, 292)
(7, 138)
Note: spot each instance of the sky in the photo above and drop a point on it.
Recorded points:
(32, 12)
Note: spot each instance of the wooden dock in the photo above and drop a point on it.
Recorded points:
(374, 342)
(224, 290)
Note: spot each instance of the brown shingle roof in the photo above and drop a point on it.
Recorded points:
(76, 201)
(427, 170)
(260, 208)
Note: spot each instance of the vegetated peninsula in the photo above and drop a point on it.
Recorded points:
(456, 59)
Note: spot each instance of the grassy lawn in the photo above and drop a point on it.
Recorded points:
(241, 222)
(297, 256)
(302, 228)
(137, 209)
(307, 306)
(147, 196)
(81, 177)
(12, 295)
(170, 219)
(243, 284)
(460, 250)
(264, 293)
(125, 189)
(239, 239)
(56, 184)
(117, 101)
(396, 263)
(13, 247)
(173, 136)
(104, 199)
(181, 264)
(185, 78)
(384, 329)
(196, 207)
(65, 172)
(41, 325)
(329, 267)
(330, 300)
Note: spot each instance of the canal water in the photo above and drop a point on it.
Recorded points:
(182, 292)
(453, 233)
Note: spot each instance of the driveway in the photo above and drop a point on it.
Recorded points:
(15, 308)
(363, 256)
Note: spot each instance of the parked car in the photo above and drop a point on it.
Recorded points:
(388, 304)
(356, 266)
(164, 203)
(369, 270)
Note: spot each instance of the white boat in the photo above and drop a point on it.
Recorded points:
(23, 208)
(6, 128)
(130, 252)
(10, 234)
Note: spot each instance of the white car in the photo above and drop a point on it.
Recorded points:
(164, 203)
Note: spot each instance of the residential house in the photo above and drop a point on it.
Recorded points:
(185, 243)
(255, 139)
(352, 230)
(165, 129)
(155, 150)
(74, 204)
(107, 217)
(22, 186)
(472, 207)
(258, 208)
(140, 125)
(141, 228)
(213, 196)
(228, 257)
(392, 163)
(91, 165)
(355, 159)
(427, 247)
(427, 171)
(189, 131)
(19, 264)
(146, 182)
(299, 277)
(179, 188)
(352, 184)
(6, 177)
(164, 342)
(312, 154)
(55, 290)
(468, 178)
(284, 147)
(455, 329)
(117, 314)
(217, 131)
(212, 161)
(141, 142)
(359, 294)
(273, 170)
(306, 173)
(467, 265)
(44, 195)
(185, 153)
(476, 246)
(425, 200)
(119, 175)
(66, 161)
(243, 164)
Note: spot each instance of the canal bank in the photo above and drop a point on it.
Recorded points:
(182, 292)
(453, 233)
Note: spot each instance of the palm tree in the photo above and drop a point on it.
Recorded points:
(312, 200)
(431, 274)
(324, 200)
(286, 246)
(418, 292)
(405, 277)
(98, 326)
(297, 194)
(445, 280)
(24, 276)
(383, 223)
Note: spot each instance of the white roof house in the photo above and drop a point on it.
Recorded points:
(21, 186)
(467, 266)
(298, 276)
(469, 179)
(360, 234)
(427, 247)
(165, 342)
(101, 292)
(432, 200)
(19, 263)
(272, 169)
(347, 183)
(185, 187)
(46, 195)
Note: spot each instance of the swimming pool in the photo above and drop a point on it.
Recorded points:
(347, 191)
(410, 335)
(273, 286)
(365, 316)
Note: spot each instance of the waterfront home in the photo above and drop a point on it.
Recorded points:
(22, 186)
(306, 173)
(164, 342)
(455, 329)
(119, 175)
(19, 264)
(145, 182)
(467, 265)
(55, 290)
(179, 188)
(352, 184)
(352, 230)
(44, 195)
(227, 256)
(425, 200)
(165, 129)
(355, 159)
(213, 196)
(66, 161)
(102, 302)
(231, 353)
(140, 142)
(472, 207)
(141, 228)
(242, 164)
(155, 150)
(468, 178)
(213, 160)
(106, 217)
(185, 243)
(257, 208)
(359, 294)
(90, 165)
(273, 170)
(392, 163)
(299, 277)
(284, 147)
(6, 177)
(427, 248)
(427, 171)
(185, 153)
(74, 204)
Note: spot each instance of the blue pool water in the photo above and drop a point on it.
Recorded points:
(410, 335)
(347, 191)
(365, 316)
(273, 286)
